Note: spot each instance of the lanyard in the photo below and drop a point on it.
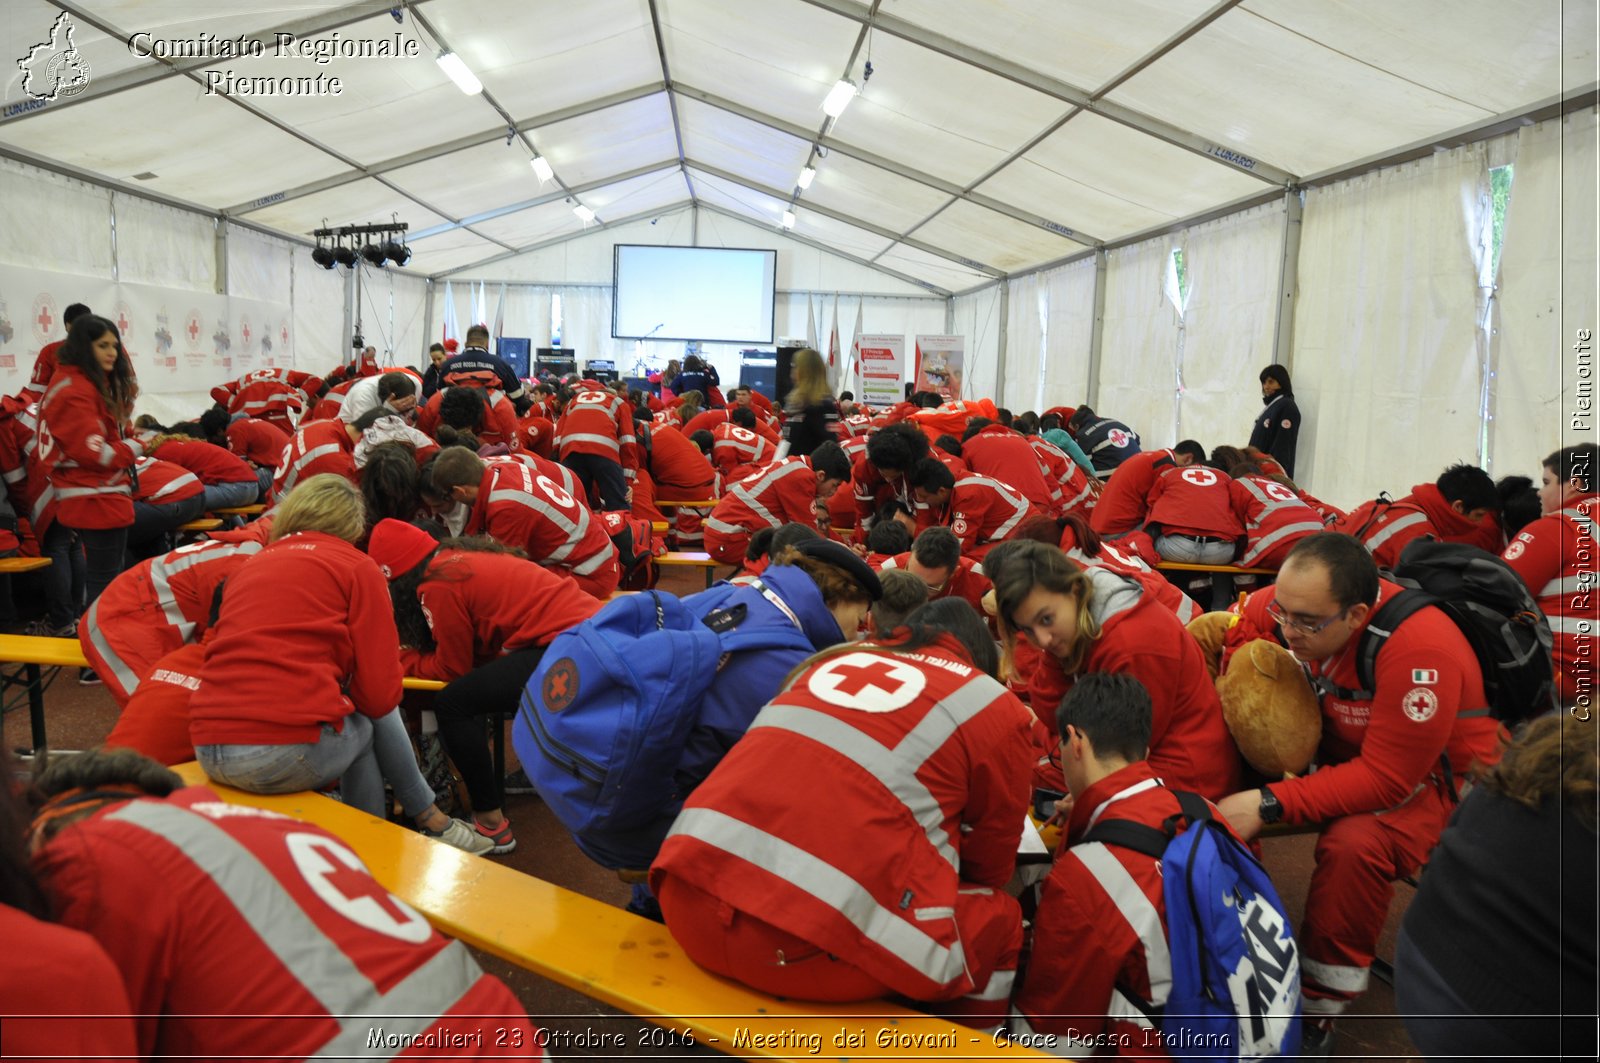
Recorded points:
(781, 605)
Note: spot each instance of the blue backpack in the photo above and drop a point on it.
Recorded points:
(1235, 966)
(605, 717)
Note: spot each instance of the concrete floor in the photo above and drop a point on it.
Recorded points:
(80, 717)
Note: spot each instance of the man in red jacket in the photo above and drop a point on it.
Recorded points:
(1459, 507)
(1123, 504)
(1003, 454)
(245, 933)
(785, 492)
(1390, 762)
(595, 440)
(280, 396)
(1190, 515)
(319, 447)
(737, 445)
(680, 472)
(44, 366)
(980, 510)
(484, 412)
(1275, 518)
(935, 558)
(880, 475)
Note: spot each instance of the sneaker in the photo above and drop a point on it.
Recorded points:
(517, 782)
(462, 837)
(44, 629)
(504, 841)
(87, 677)
(1316, 1039)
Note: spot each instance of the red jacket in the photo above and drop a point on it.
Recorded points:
(967, 582)
(87, 453)
(1378, 748)
(732, 446)
(679, 465)
(155, 721)
(161, 483)
(784, 492)
(599, 422)
(1190, 746)
(280, 396)
(926, 818)
(1121, 507)
(982, 512)
(54, 979)
(44, 368)
(1423, 513)
(1193, 500)
(1002, 454)
(520, 505)
(538, 433)
(1114, 557)
(871, 490)
(217, 971)
(304, 639)
(319, 447)
(1274, 518)
(497, 425)
(480, 606)
(1089, 951)
(1069, 484)
(332, 401)
(211, 464)
(153, 608)
(260, 442)
(1555, 556)
(27, 478)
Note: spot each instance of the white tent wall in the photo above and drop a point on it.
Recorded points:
(1386, 365)
(320, 342)
(1027, 319)
(1142, 342)
(1229, 321)
(392, 315)
(1070, 291)
(976, 317)
(52, 222)
(1546, 295)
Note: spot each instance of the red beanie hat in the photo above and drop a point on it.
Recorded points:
(399, 547)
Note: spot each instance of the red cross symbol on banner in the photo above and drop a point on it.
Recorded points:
(194, 328)
(856, 678)
(245, 330)
(45, 319)
(122, 322)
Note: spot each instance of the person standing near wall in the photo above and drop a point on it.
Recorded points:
(1277, 428)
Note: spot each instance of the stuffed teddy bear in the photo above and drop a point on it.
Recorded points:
(1266, 700)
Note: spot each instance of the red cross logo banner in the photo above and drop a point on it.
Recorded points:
(1199, 477)
(44, 315)
(124, 321)
(338, 878)
(1420, 704)
(192, 327)
(868, 682)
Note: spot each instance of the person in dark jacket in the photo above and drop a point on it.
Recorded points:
(1107, 442)
(1277, 428)
(430, 376)
(698, 375)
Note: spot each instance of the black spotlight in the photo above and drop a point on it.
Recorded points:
(373, 253)
(346, 256)
(397, 252)
(322, 256)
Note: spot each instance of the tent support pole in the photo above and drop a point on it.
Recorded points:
(221, 228)
(950, 316)
(351, 294)
(1000, 347)
(427, 314)
(1288, 280)
(1097, 331)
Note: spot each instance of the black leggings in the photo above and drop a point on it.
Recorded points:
(460, 707)
(601, 477)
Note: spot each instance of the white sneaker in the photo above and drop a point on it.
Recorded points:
(463, 837)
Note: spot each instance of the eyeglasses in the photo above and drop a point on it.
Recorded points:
(1283, 619)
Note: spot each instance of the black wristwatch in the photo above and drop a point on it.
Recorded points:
(1271, 810)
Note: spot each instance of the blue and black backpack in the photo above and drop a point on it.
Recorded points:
(605, 717)
(1235, 966)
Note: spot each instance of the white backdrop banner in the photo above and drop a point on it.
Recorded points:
(883, 369)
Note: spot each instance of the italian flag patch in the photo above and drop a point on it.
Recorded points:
(1424, 675)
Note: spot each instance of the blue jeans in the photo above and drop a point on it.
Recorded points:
(64, 579)
(365, 753)
(1183, 548)
(226, 496)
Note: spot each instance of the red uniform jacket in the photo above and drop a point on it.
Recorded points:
(967, 582)
(1377, 749)
(1088, 954)
(319, 447)
(598, 422)
(538, 433)
(27, 478)
(523, 505)
(304, 639)
(44, 369)
(1190, 746)
(983, 511)
(1121, 507)
(153, 608)
(1001, 454)
(1114, 557)
(218, 917)
(1193, 500)
(1555, 556)
(708, 420)
(1423, 513)
(870, 490)
(55, 979)
(155, 721)
(332, 401)
(161, 483)
(211, 464)
(951, 418)
(86, 453)
(732, 447)
(1274, 518)
(479, 606)
(280, 396)
(678, 465)
(258, 441)
(497, 425)
(926, 817)
(1069, 484)
(784, 492)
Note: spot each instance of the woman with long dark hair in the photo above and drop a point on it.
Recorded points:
(87, 445)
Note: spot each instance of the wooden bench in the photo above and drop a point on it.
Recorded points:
(254, 510)
(690, 559)
(702, 503)
(1231, 570)
(201, 524)
(8, 565)
(620, 959)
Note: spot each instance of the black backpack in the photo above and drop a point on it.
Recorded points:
(1496, 613)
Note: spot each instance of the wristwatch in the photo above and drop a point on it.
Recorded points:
(1271, 810)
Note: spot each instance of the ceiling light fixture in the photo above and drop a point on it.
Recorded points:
(385, 242)
(788, 219)
(807, 175)
(457, 71)
(541, 168)
(839, 98)
(584, 214)
(396, 252)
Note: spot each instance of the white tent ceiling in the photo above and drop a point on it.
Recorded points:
(993, 136)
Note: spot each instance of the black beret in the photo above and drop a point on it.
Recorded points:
(843, 558)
